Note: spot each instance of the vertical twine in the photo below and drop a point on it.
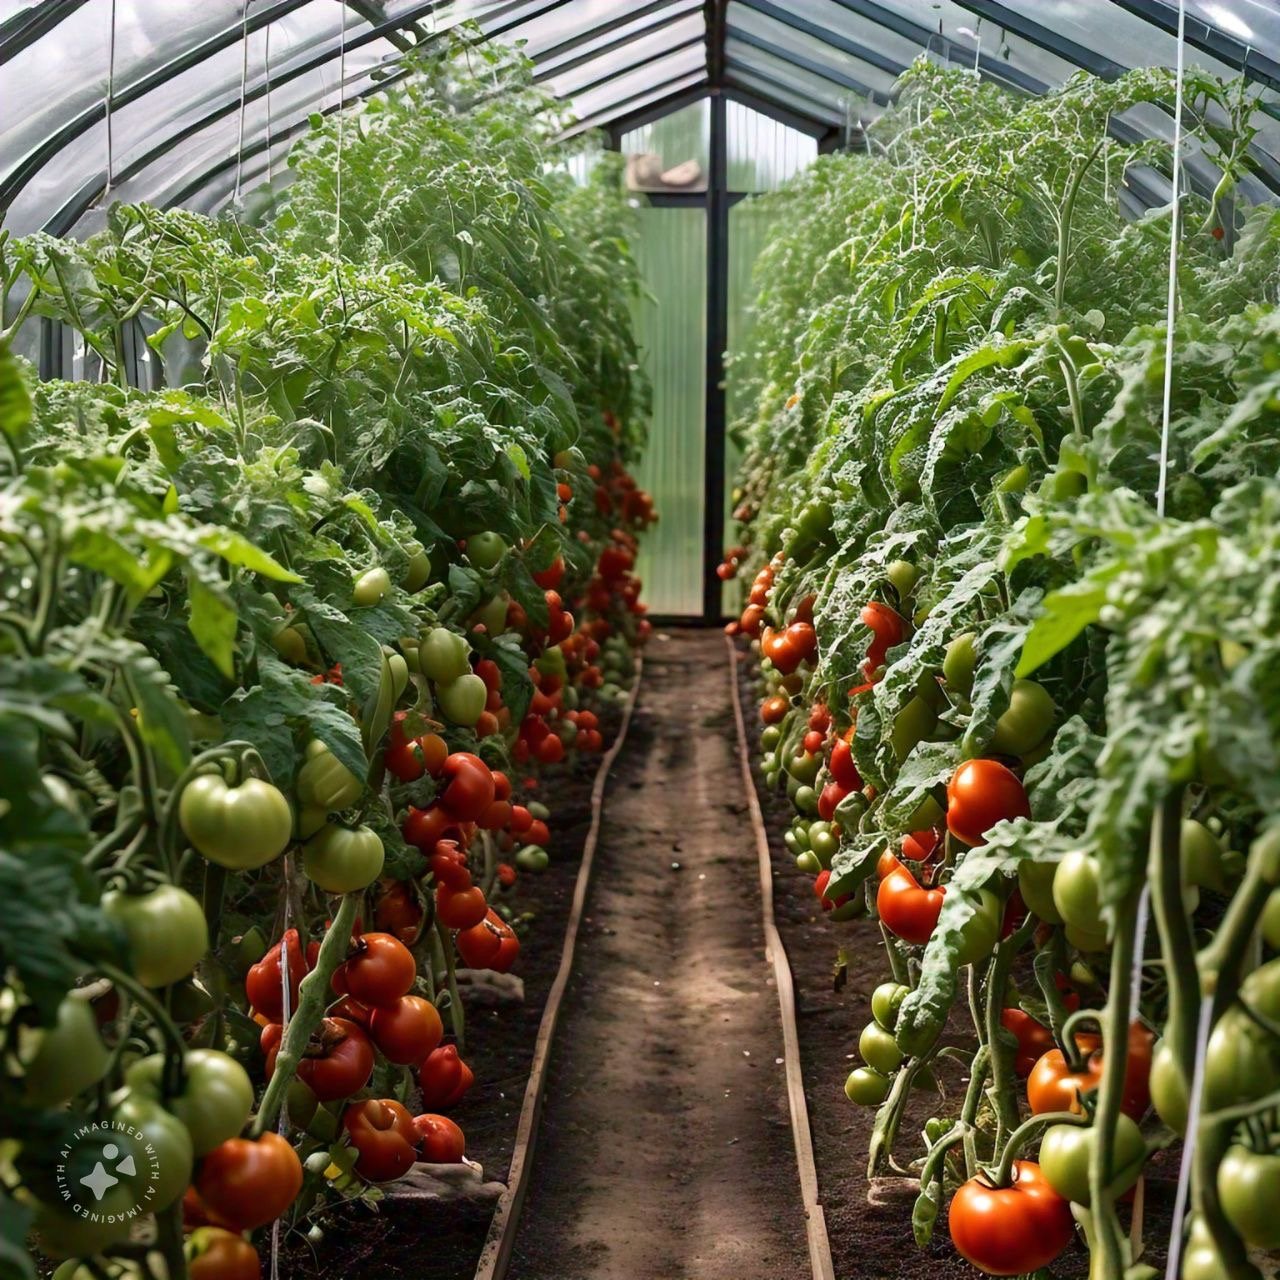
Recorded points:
(342, 95)
(111, 89)
(244, 85)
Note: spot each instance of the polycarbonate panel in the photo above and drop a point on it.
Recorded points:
(748, 23)
(1255, 22)
(809, 88)
(795, 100)
(763, 152)
(633, 83)
(65, 73)
(671, 250)
(614, 65)
(681, 138)
(588, 43)
(629, 106)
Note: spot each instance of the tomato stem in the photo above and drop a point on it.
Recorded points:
(1002, 1173)
(174, 1048)
(456, 1015)
(312, 999)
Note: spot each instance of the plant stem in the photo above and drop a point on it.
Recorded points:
(312, 1001)
(1002, 1174)
(1109, 1239)
(175, 1047)
(456, 1015)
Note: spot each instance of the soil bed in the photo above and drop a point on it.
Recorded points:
(665, 1148)
(870, 1227)
(426, 1241)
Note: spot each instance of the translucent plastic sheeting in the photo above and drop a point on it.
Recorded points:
(1256, 22)
(551, 54)
(657, 92)
(671, 251)
(614, 69)
(159, 117)
(64, 73)
(837, 100)
(763, 152)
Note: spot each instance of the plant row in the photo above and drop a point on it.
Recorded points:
(1019, 679)
(313, 586)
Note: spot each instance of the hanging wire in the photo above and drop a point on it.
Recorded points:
(244, 86)
(111, 88)
(266, 76)
(342, 92)
(1172, 303)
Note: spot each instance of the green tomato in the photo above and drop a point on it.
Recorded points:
(770, 736)
(1168, 1088)
(532, 858)
(1035, 883)
(493, 614)
(291, 645)
(1015, 480)
(1249, 1190)
(886, 1000)
(1026, 722)
(980, 933)
(444, 655)
(902, 575)
(370, 587)
(1202, 1261)
(1076, 893)
(807, 861)
(1261, 990)
(866, 1087)
(793, 845)
(928, 813)
(163, 1180)
(1065, 1152)
(1202, 857)
(806, 799)
(342, 860)
(539, 810)
(214, 1102)
(911, 725)
(398, 665)
(879, 1049)
(325, 783)
(236, 827)
(1242, 1062)
(166, 932)
(1271, 921)
(824, 843)
(958, 663)
(68, 1056)
(1063, 484)
(462, 700)
(484, 550)
(419, 567)
(804, 767)
(800, 830)
(60, 1233)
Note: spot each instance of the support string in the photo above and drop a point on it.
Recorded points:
(244, 85)
(111, 89)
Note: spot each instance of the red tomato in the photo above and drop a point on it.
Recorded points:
(336, 1063)
(1013, 1230)
(380, 971)
(521, 819)
(264, 984)
(423, 827)
(1033, 1037)
(491, 944)
(397, 910)
(907, 910)
(502, 784)
(828, 799)
(406, 1031)
(439, 1139)
(1053, 1086)
(886, 631)
(490, 673)
(538, 833)
(469, 786)
(920, 846)
(550, 750)
(813, 740)
(383, 1132)
(435, 750)
(449, 866)
(247, 1183)
(980, 794)
(460, 908)
(444, 1077)
(843, 769)
(217, 1254)
(496, 816)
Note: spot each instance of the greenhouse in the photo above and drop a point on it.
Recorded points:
(640, 641)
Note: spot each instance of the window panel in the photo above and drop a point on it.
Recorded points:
(691, 28)
(762, 152)
(682, 138)
(807, 87)
(634, 83)
(663, 19)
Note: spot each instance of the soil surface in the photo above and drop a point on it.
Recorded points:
(665, 1151)
(870, 1225)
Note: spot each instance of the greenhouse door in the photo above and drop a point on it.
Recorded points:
(696, 246)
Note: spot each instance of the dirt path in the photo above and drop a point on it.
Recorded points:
(665, 1149)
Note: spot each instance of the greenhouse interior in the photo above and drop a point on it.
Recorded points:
(640, 641)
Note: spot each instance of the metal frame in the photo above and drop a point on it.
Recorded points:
(664, 7)
(32, 24)
(1211, 40)
(1044, 37)
(832, 75)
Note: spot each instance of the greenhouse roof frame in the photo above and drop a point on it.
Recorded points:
(829, 64)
